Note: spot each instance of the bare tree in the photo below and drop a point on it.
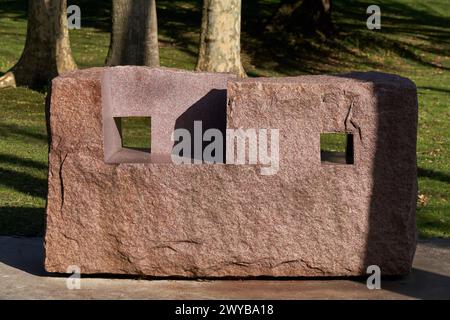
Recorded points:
(220, 47)
(134, 36)
(47, 50)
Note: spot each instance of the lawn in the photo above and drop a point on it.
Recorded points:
(414, 42)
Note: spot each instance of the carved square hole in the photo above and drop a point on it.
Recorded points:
(336, 148)
(135, 132)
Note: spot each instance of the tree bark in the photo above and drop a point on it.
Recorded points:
(220, 47)
(47, 52)
(134, 36)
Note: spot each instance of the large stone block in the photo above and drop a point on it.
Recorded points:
(141, 214)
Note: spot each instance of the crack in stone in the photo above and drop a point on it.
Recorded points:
(191, 241)
(240, 263)
(348, 120)
(308, 265)
(348, 116)
(165, 247)
(285, 262)
(71, 239)
(61, 180)
(187, 241)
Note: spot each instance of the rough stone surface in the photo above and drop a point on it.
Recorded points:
(309, 219)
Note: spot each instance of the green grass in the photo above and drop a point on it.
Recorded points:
(414, 42)
(136, 132)
(23, 162)
(333, 142)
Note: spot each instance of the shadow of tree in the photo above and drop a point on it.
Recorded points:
(24, 183)
(432, 174)
(7, 158)
(18, 8)
(434, 89)
(22, 221)
(7, 130)
(180, 21)
(177, 20)
(292, 53)
(94, 14)
(430, 223)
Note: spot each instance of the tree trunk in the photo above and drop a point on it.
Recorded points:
(134, 36)
(220, 47)
(47, 50)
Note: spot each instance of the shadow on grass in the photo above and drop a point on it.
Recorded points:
(7, 158)
(292, 53)
(434, 175)
(94, 14)
(24, 183)
(181, 21)
(434, 89)
(22, 221)
(18, 8)
(177, 20)
(7, 130)
(429, 223)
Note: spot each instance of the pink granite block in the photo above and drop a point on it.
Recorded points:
(161, 219)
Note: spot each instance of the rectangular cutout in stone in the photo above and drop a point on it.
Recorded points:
(135, 132)
(127, 139)
(336, 148)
